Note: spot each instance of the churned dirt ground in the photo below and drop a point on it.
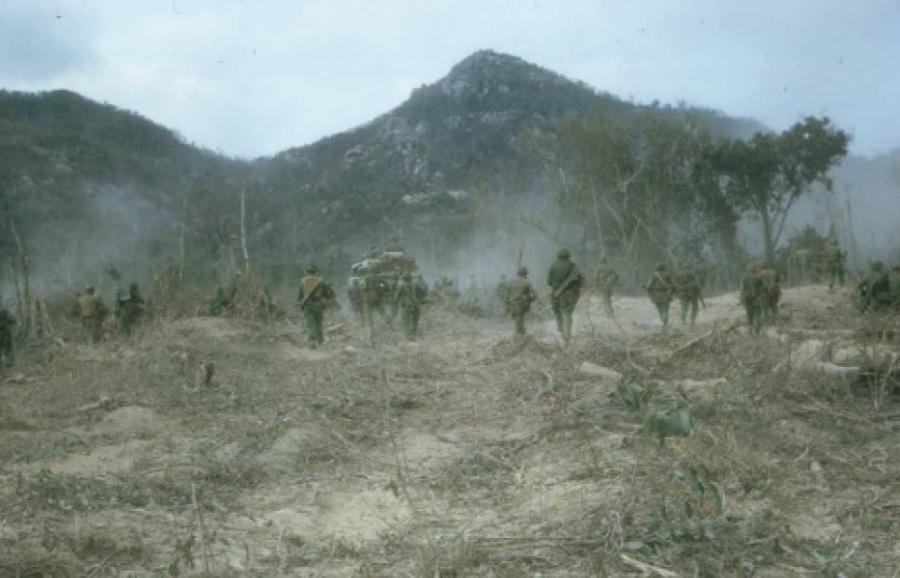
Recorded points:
(464, 453)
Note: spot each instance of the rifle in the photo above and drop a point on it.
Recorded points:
(573, 276)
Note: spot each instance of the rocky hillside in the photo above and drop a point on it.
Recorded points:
(467, 132)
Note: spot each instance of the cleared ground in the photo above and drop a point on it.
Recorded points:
(464, 453)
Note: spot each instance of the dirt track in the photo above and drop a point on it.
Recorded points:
(465, 453)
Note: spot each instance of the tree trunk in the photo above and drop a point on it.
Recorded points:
(769, 241)
(27, 312)
(244, 253)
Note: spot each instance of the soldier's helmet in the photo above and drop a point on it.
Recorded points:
(89, 290)
(312, 269)
(563, 253)
(877, 266)
(522, 271)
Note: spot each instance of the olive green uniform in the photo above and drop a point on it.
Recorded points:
(92, 313)
(410, 296)
(565, 281)
(751, 299)
(519, 297)
(314, 297)
(607, 281)
(688, 292)
(661, 289)
(129, 310)
(771, 293)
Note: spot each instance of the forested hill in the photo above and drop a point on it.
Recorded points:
(419, 166)
(61, 154)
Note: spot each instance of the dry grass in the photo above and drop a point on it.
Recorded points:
(467, 453)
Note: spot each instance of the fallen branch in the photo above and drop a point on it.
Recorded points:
(701, 338)
(202, 527)
(647, 569)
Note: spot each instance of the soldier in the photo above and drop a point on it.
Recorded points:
(129, 309)
(411, 293)
(267, 305)
(519, 297)
(687, 288)
(661, 288)
(92, 312)
(314, 297)
(834, 263)
(607, 281)
(7, 337)
(877, 288)
(356, 298)
(565, 281)
(502, 289)
(771, 292)
(751, 296)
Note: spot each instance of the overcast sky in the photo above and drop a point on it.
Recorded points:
(250, 78)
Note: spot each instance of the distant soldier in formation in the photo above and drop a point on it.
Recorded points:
(771, 292)
(834, 263)
(267, 305)
(607, 281)
(314, 297)
(751, 297)
(410, 295)
(519, 297)
(661, 289)
(92, 312)
(7, 337)
(876, 288)
(129, 310)
(565, 281)
(687, 288)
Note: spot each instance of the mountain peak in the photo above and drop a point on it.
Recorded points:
(491, 66)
